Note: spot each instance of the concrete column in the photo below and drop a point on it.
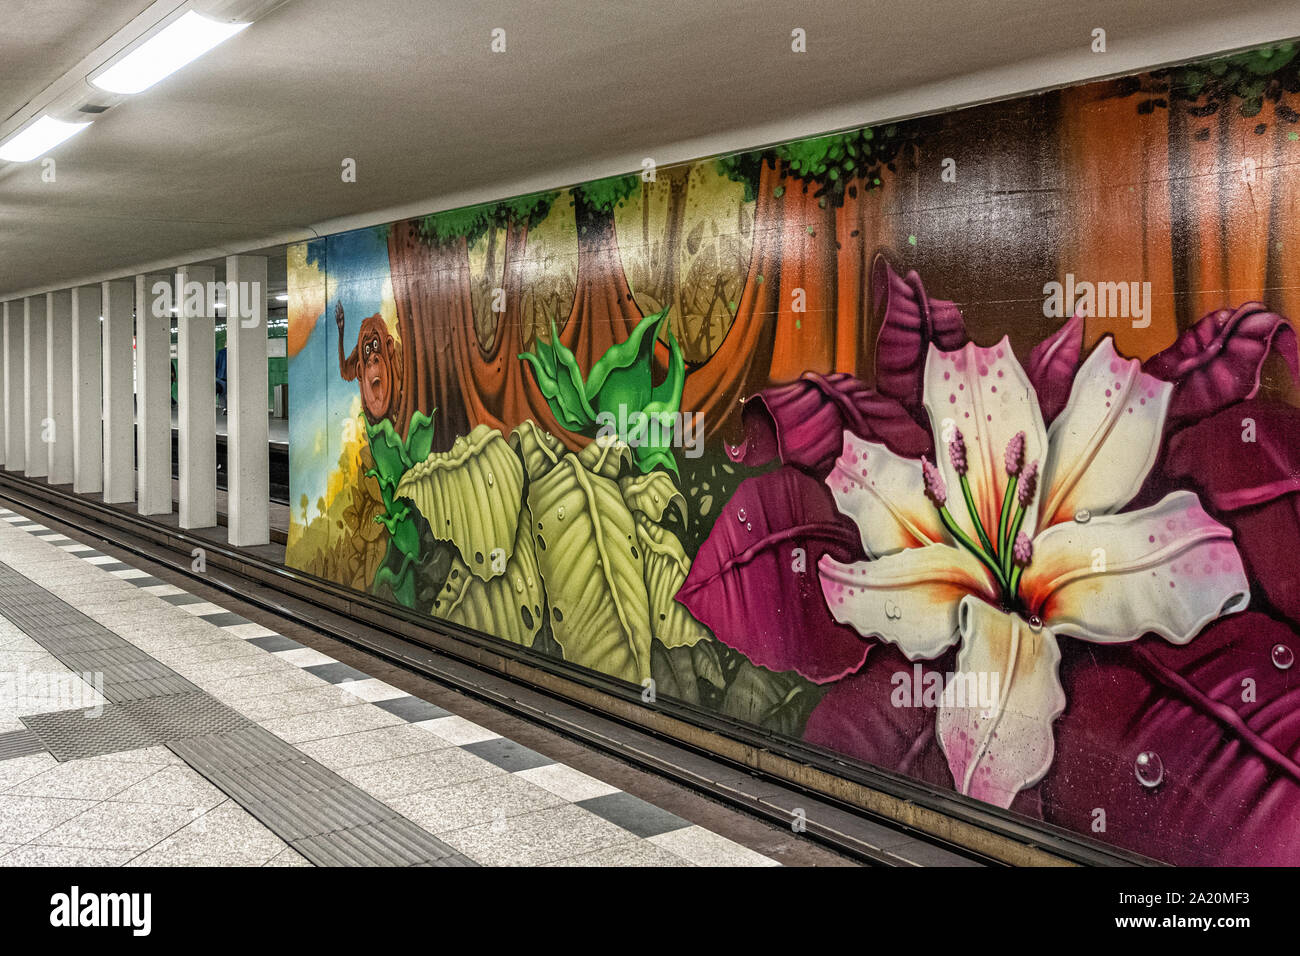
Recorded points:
(4, 383)
(58, 380)
(248, 475)
(196, 399)
(87, 392)
(153, 406)
(15, 378)
(34, 395)
(119, 393)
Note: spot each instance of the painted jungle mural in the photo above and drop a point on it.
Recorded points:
(966, 448)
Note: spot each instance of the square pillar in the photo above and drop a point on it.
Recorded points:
(248, 473)
(153, 407)
(58, 380)
(4, 383)
(15, 378)
(119, 393)
(87, 392)
(196, 398)
(34, 395)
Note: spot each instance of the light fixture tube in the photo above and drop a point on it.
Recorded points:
(181, 42)
(37, 139)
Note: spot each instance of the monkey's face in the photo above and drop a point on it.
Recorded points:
(376, 372)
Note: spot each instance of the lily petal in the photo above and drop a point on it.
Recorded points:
(1170, 569)
(1107, 438)
(884, 494)
(986, 394)
(996, 747)
(909, 598)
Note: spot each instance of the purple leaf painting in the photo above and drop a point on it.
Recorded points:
(803, 423)
(754, 582)
(1052, 366)
(910, 321)
(1189, 752)
(1217, 361)
(881, 716)
(858, 718)
(1245, 463)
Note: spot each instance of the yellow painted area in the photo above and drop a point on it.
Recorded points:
(306, 287)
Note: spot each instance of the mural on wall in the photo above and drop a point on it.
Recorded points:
(964, 447)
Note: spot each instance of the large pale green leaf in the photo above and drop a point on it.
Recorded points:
(591, 563)
(470, 496)
(651, 494)
(606, 456)
(777, 701)
(666, 567)
(510, 606)
(674, 673)
(537, 448)
(679, 671)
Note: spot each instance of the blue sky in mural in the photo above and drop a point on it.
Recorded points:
(356, 266)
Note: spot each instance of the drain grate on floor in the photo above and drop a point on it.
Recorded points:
(76, 734)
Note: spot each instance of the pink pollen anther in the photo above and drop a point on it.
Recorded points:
(1028, 484)
(935, 489)
(1022, 551)
(957, 452)
(1015, 456)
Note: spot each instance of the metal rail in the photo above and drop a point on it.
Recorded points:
(705, 751)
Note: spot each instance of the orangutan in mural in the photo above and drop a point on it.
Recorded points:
(374, 362)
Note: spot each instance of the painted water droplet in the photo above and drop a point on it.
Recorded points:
(559, 513)
(1149, 768)
(519, 586)
(491, 479)
(1283, 657)
(1083, 516)
(740, 515)
(1035, 622)
(749, 526)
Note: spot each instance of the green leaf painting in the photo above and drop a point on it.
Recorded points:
(470, 496)
(510, 606)
(618, 397)
(393, 457)
(587, 550)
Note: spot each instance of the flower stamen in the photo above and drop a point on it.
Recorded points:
(957, 455)
(937, 491)
(1022, 552)
(1015, 460)
(1026, 488)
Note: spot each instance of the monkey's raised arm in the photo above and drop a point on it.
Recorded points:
(349, 367)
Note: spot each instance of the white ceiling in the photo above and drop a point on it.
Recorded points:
(243, 148)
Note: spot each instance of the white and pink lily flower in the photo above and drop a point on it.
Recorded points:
(1014, 537)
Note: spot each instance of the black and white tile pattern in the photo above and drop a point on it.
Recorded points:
(491, 798)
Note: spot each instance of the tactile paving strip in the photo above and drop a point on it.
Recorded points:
(327, 819)
(20, 743)
(84, 645)
(324, 817)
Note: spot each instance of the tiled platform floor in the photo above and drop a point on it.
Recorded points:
(487, 797)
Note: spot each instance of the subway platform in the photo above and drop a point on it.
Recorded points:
(146, 720)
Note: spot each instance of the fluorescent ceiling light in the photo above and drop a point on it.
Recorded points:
(38, 138)
(179, 43)
(282, 297)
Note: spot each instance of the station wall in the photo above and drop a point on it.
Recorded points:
(964, 447)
